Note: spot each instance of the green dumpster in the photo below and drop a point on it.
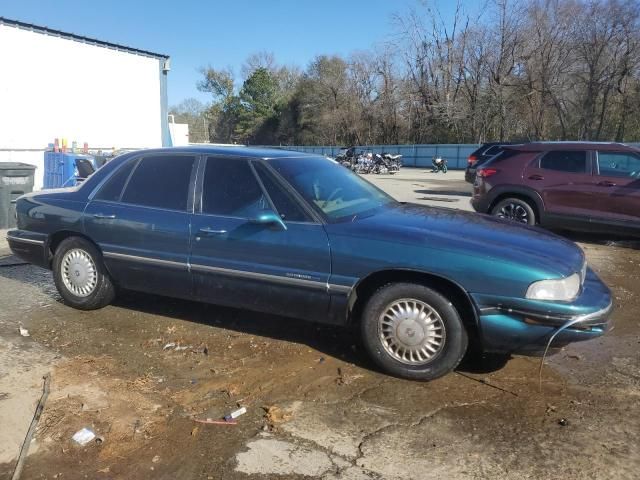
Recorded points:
(15, 179)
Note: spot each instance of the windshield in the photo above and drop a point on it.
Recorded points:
(336, 191)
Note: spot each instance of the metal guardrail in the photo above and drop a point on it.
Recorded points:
(412, 155)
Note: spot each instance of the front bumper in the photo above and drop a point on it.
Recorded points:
(31, 247)
(518, 325)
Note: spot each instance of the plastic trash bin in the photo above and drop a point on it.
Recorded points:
(15, 179)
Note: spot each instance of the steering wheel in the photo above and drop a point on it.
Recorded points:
(331, 197)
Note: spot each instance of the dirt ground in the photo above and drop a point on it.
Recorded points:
(141, 372)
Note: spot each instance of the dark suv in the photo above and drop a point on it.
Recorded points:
(480, 156)
(569, 185)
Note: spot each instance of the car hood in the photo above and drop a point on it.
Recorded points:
(472, 234)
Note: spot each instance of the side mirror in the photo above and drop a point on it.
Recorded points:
(269, 217)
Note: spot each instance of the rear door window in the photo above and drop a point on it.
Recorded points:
(161, 181)
(112, 188)
(231, 189)
(571, 161)
(618, 164)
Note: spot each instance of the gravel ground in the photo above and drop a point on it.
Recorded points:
(315, 405)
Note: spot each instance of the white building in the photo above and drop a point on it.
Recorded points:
(179, 132)
(55, 84)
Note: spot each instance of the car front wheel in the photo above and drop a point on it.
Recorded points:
(412, 331)
(80, 275)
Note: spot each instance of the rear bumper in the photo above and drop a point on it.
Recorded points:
(470, 175)
(524, 326)
(31, 247)
(480, 203)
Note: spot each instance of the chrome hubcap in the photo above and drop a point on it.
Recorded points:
(411, 331)
(79, 273)
(515, 212)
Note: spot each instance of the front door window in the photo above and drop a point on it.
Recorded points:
(230, 189)
(618, 164)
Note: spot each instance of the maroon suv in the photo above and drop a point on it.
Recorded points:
(569, 185)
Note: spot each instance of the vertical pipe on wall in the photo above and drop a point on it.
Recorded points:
(165, 135)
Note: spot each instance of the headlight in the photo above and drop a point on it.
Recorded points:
(561, 289)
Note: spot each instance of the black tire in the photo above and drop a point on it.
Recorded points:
(516, 210)
(101, 295)
(447, 357)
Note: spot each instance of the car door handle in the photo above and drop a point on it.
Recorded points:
(211, 231)
(104, 216)
(536, 177)
(606, 184)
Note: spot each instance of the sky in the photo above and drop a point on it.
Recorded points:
(223, 33)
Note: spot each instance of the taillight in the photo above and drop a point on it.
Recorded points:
(472, 159)
(486, 172)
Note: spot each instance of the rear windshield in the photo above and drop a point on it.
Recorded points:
(493, 150)
(479, 151)
(503, 155)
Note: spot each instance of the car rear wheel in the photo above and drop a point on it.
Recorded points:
(412, 331)
(80, 275)
(516, 210)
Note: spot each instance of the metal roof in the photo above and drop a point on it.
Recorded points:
(78, 38)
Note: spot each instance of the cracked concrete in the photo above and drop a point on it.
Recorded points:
(359, 450)
(23, 363)
(338, 431)
(437, 437)
(278, 457)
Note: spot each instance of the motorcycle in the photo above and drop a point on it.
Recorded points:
(392, 162)
(439, 165)
(364, 163)
(347, 157)
(379, 165)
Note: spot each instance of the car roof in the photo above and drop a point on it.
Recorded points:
(546, 146)
(486, 146)
(232, 151)
(493, 144)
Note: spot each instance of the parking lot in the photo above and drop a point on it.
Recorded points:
(419, 185)
(142, 372)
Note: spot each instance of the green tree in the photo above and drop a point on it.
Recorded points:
(257, 106)
(322, 95)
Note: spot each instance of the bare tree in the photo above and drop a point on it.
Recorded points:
(517, 70)
(262, 59)
(193, 113)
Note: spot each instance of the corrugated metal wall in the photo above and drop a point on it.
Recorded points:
(412, 155)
